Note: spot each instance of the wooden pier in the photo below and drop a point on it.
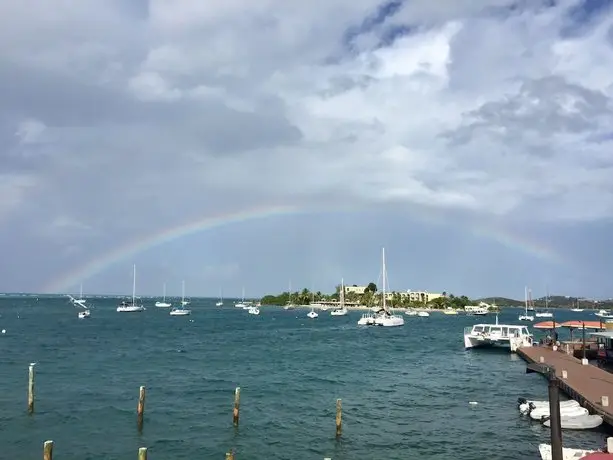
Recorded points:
(587, 384)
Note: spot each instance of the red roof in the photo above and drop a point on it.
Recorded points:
(579, 324)
(598, 456)
(546, 325)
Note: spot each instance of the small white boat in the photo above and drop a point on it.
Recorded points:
(576, 309)
(181, 311)
(567, 453)
(497, 335)
(312, 314)
(253, 311)
(574, 411)
(339, 312)
(603, 314)
(544, 314)
(163, 303)
(450, 311)
(581, 422)
(84, 314)
(523, 405)
(410, 312)
(423, 314)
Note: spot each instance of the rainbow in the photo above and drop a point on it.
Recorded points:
(66, 281)
(133, 247)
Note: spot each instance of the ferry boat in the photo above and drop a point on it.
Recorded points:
(497, 335)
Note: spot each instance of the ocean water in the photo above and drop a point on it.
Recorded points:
(405, 391)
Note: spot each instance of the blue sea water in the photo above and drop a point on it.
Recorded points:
(405, 391)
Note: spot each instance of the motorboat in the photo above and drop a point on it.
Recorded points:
(568, 453)
(604, 314)
(312, 314)
(84, 314)
(253, 311)
(523, 405)
(580, 422)
(423, 314)
(576, 309)
(537, 413)
(497, 335)
(410, 312)
(450, 311)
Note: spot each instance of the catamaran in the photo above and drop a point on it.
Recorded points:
(181, 311)
(546, 313)
(163, 303)
(127, 307)
(526, 316)
(242, 303)
(497, 335)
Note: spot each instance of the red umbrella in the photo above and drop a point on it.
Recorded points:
(546, 325)
(575, 324)
(598, 456)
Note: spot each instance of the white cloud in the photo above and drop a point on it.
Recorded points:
(478, 108)
(30, 131)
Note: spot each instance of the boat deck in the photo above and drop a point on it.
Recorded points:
(584, 383)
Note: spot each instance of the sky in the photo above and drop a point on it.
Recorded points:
(233, 143)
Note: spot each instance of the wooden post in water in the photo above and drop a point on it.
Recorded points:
(140, 408)
(230, 455)
(583, 332)
(339, 417)
(142, 453)
(554, 419)
(48, 450)
(31, 389)
(237, 404)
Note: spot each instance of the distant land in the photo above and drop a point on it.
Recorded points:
(555, 301)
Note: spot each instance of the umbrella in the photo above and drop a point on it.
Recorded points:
(546, 325)
(574, 324)
(598, 456)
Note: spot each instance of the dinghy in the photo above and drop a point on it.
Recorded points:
(540, 412)
(567, 453)
(582, 422)
(524, 408)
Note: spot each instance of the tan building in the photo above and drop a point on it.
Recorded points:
(421, 296)
(355, 289)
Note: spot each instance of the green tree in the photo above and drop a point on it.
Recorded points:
(372, 287)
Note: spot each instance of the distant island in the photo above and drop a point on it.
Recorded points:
(370, 295)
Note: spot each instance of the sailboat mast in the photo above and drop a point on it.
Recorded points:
(383, 278)
(183, 292)
(342, 293)
(526, 299)
(134, 284)
(164, 289)
(81, 292)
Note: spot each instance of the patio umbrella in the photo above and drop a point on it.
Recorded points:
(578, 324)
(546, 325)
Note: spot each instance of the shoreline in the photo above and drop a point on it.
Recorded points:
(365, 308)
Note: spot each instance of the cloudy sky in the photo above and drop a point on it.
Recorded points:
(238, 143)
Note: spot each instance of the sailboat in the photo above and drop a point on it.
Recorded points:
(181, 311)
(385, 317)
(290, 305)
(80, 301)
(242, 303)
(546, 313)
(220, 303)
(127, 307)
(163, 303)
(526, 316)
(342, 310)
(576, 305)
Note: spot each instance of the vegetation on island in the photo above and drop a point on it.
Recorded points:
(370, 298)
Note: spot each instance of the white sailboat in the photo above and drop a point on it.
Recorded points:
(290, 305)
(133, 307)
(242, 303)
(342, 310)
(80, 301)
(181, 311)
(546, 313)
(526, 316)
(220, 303)
(385, 317)
(163, 303)
(312, 314)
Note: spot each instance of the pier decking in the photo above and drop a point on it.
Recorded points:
(587, 384)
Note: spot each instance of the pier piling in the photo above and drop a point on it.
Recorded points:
(541, 359)
(604, 401)
(142, 453)
(339, 417)
(48, 450)
(31, 389)
(140, 408)
(237, 404)
(564, 374)
(230, 455)
(554, 412)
